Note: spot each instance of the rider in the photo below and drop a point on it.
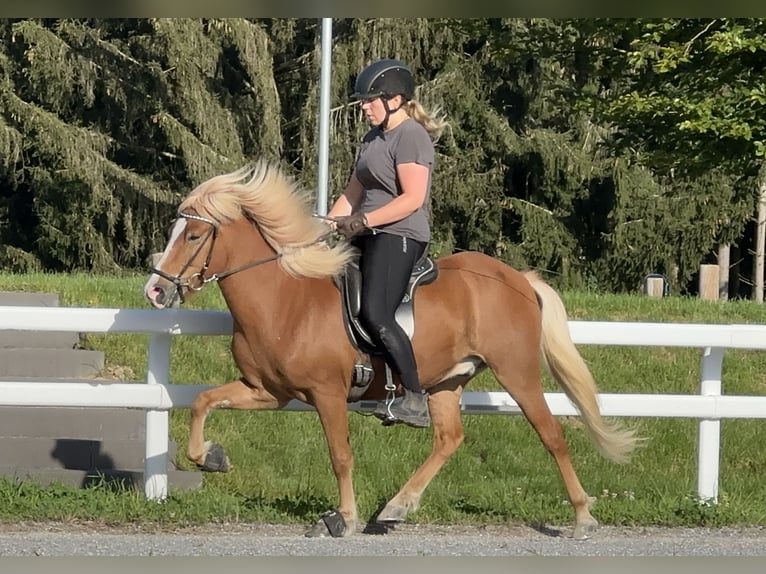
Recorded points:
(384, 208)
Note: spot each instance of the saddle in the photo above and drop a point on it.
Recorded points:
(349, 284)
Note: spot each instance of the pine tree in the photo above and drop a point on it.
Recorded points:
(106, 124)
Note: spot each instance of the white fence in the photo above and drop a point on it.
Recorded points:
(158, 395)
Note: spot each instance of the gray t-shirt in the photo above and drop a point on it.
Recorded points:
(379, 154)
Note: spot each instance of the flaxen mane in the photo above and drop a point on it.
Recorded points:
(282, 212)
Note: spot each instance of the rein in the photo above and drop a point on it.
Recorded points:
(375, 230)
(197, 281)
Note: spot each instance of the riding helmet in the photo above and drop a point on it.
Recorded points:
(387, 78)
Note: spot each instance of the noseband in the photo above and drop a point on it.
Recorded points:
(198, 280)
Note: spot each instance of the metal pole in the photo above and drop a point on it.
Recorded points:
(324, 116)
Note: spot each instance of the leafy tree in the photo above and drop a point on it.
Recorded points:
(562, 187)
(691, 101)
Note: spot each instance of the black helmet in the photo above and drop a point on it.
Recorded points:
(384, 78)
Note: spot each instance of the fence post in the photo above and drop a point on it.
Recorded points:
(709, 284)
(656, 285)
(709, 437)
(157, 427)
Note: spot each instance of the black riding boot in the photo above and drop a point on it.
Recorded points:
(410, 409)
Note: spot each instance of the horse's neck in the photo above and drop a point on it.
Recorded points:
(253, 292)
(266, 295)
(263, 299)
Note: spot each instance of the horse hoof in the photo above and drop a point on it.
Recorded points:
(331, 524)
(216, 460)
(583, 530)
(391, 514)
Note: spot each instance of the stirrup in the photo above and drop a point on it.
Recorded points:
(388, 418)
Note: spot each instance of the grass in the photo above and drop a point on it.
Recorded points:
(501, 474)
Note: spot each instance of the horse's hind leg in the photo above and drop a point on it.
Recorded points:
(237, 394)
(522, 381)
(444, 406)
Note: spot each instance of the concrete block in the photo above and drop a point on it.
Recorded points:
(78, 454)
(11, 339)
(76, 447)
(29, 299)
(34, 339)
(177, 479)
(74, 423)
(63, 363)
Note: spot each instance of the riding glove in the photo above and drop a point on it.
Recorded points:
(351, 225)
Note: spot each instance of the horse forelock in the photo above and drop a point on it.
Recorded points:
(263, 194)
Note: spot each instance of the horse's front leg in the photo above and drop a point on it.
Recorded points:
(210, 456)
(333, 414)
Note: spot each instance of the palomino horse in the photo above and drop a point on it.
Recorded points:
(252, 231)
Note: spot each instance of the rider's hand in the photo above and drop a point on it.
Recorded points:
(351, 225)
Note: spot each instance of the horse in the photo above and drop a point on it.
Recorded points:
(253, 231)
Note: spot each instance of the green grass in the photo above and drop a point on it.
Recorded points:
(501, 474)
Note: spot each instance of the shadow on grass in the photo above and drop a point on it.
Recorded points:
(304, 508)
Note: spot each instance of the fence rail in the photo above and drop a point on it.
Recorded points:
(158, 395)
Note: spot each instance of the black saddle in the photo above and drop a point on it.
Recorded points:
(424, 272)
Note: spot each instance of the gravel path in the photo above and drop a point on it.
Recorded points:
(58, 539)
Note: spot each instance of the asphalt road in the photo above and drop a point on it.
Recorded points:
(57, 539)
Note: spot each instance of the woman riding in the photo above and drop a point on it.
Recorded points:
(385, 209)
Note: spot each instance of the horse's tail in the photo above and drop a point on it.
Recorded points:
(570, 371)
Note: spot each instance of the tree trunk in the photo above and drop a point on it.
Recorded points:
(724, 257)
(760, 239)
(735, 269)
(673, 278)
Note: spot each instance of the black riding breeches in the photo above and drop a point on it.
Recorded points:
(386, 263)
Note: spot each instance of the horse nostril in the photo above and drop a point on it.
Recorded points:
(156, 296)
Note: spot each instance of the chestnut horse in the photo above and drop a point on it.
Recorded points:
(253, 232)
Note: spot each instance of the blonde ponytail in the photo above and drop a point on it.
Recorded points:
(434, 122)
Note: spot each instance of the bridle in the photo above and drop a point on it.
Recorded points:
(198, 280)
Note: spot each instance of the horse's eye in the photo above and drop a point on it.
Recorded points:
(193, 237)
